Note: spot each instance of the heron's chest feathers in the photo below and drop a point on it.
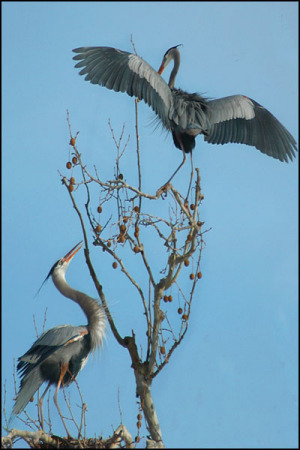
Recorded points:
(96, 318)
(188, 112)
(97, 327)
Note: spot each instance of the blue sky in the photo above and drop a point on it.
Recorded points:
(233, 381)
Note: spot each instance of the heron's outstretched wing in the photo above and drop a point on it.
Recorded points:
(125, 72)
(241, 120)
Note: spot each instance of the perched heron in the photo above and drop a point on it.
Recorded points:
(59, 354)
(236, 118)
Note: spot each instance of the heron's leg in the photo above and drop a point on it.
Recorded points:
(192, 174)
(164, 187)
(63, 370)
(40, 407)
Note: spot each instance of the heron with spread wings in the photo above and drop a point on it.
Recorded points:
(236, 119)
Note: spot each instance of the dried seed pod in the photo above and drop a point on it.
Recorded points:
(192, 206)
(179, 310)
(192, 276)
(166, 298)
(136, 209)
(98, 228)
(170, 298)
(72, 180)
(162, 350)
(136, 249)
(71, 188)
(199, 275)
(72, 141)
(69, 165)
(139, 416)
(186, 262)
(99, 209)
(115, 264)
(120, 176)
(74, 160)
(184, 317)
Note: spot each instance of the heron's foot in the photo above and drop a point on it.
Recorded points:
(164, 189)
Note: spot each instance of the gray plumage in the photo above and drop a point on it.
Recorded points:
(236, 119)
(59, 354)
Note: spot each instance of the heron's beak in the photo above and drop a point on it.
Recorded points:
(72, 252)
(161, 69)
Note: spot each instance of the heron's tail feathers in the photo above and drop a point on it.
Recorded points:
(29, 386)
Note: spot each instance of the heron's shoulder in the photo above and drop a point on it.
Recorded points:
(180, 95)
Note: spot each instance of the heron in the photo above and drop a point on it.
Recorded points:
(59, 354)
(235, 119)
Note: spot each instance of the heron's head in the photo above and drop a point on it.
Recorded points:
(171, 54)
(60, 267)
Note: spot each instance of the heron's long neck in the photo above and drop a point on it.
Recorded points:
(176, 59)
(92, 309)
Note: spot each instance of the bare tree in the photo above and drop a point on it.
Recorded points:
(117, 217)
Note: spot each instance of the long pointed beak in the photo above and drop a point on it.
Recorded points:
(161, 69)
(73, 252)
(66, 258)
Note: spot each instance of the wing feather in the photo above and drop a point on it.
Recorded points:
(125, 72)
(47, 344)
(239, 119)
